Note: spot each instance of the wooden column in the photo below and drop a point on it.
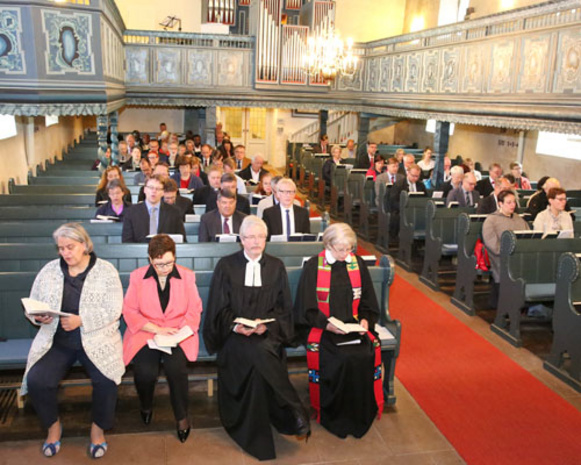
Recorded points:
(441, 139)
(114, 120)
(102, 126)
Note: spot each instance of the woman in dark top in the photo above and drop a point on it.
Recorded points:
(227, 149)
(89, 289)
(162, 299)
(198, 171)
(335, 159)
(347, 393)
(112, 172)
(116, 206)
(184, 177)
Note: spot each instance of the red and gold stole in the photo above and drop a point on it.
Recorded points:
(323, 290)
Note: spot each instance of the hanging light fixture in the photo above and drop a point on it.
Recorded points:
(327, 55)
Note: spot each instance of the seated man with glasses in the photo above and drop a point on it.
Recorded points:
(152, 216)
(286, 218)
(223, 220)
(254, 390)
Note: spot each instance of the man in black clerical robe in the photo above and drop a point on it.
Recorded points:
(254, 390)
(348, 397)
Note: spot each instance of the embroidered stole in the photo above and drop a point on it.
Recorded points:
(323, 290)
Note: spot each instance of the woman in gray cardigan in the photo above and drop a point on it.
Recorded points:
(90, 290)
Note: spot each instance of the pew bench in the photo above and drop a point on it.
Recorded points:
(528, 274)
(16, 332)
(412, 226)
(567, 323)
(441, 239)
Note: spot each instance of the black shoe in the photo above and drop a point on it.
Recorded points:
(146, 416)
(183, 434)
(303, 429)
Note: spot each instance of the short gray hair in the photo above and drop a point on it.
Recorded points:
(335, 147)
(339, 233)
(75, 232)
(256, 157)
(458, 170)
(249, 222)
(288, 181)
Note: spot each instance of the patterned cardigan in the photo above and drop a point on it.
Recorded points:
(99, 308)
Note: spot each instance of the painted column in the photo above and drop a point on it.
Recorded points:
(102, 125)
(211, 120)
(441, 139)
(114, 120)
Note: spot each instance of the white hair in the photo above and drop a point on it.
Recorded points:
(251, 221)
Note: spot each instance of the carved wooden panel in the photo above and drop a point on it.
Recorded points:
(167, 66)
(373, 72)
(200, 68)
(413, 72)
(231, 68)
(385, 73)
(534, 64)
(450, 70)
(473, 68)
(399, 69)
(568, 63)
(137, 65)
(11, 54)
(430, 72)
(502, 65)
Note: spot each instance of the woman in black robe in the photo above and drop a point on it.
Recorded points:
(345, 387)
(254, 390)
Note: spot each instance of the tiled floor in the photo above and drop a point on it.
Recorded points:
(404, 435)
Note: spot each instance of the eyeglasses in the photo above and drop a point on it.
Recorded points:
(163, 266)
(342, 249)
(287, 192)
(260, 237)
(157, 189)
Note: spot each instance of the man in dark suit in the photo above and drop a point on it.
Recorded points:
(208, 195)
(286, 218)
(240, 157)
(323, 145)
(407, 161)
(489, 204)
(253, 173)
(152, 216)
(486, 185)
(224, 220)
(455, 182)
(411, 183)
(365, 158)
(389, 178)
(172, 197)
(466, 195)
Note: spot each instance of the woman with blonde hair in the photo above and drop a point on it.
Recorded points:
(112, 172)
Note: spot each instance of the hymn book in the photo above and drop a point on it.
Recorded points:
(252, 323)
(347, 327)
(172, 340)
(37, 308)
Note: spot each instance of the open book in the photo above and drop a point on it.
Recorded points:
(252, 323)
(172, 340)
(37, 308)
(347, 327)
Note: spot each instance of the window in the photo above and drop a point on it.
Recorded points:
(431, 126)
(49, 120)
(7, 126)
(559, 145)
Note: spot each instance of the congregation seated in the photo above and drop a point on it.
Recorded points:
(162, 299)
(335, 159)
(520, 181)
(153, 157)
(264, 186)
(286, 218)
(426, 164)
(470, 164)
(240, 157)
(254, 171)
(323, 145)
(229, 166)
(152, 216)
(171, 196)
(489, 204)
(505, 219)
(89, 289)
(407, 160)
(455, 182)
(554, 217)
(349, 151)
(172, 156)
(336, 283)
(466, 195)
(124, 152)
(206, 157)
(227, 149)
(184, 177)
(447, 168)
(134, 161)
(110, 173)
(410, 183)
(390, 177)
(116, 206)
(540, 200)
(486, 186)
(253, 382)
(146, 169)
(224, 219)
(208, 194)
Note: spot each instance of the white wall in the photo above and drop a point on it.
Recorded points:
(46, 143)
(148, 119)
(147, 14)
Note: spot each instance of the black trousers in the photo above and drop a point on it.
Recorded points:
(146, 370)
(43, 381)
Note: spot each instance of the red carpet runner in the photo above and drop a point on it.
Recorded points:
(489, 408)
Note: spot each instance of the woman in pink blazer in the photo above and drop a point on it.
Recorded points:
(162, 298)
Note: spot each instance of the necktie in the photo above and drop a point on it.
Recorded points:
(288, 225)
(239, 164)
(153, 221)
(468, 199)
(226, 228)
(412, 187)
(391, 177)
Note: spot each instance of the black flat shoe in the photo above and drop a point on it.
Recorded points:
(303, 428)
(183, 434)
(146, 416)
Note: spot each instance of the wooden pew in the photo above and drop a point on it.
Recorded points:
(441, 239)
(469, 231)
(338, 183)
(567, 323)
(353, 197)
(528, 274)
(383, 219)
(367, 210)
(412, 226)
(16, 332)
